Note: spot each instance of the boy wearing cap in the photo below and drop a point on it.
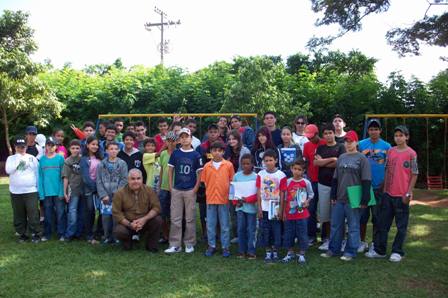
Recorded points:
(352, 169)
(51, 190)
(375, 149)
(22, 169)
(216, 176)
(31, 146)
(164, 193)
(309, 152)
(400, 177)
(185, 166)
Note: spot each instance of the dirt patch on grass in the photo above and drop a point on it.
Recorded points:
(432, 288)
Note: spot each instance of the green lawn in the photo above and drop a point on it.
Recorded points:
(78, 269)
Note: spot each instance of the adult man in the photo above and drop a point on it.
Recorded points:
(140, 131)
(136, 210)
(339, 125)
(270, 120)
(32, 147)
(375, 149)
(247, 133)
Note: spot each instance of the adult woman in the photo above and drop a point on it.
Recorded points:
(298, 136)
(235, 149)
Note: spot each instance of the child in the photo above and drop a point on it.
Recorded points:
(151, 164)
(326, 158)
(289, 151)
(216, 176)
(119, 126)
(58, 135)
(112, 174)
(51, 189)
(164, 186)
(185, 166)
(295, 197)
(268, 197)
(352, 169)
(162, 125)
(246, 208)
(89, 165)
(262, 143)
(73, 190)
(109, 136)
(131, 155)
(401, 175)
(102, 130)
(22, 169)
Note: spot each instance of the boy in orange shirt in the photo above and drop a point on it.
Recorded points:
(217, 175)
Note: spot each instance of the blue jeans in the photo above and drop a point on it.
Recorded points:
(89, 203)
(73, 218)
(272, 232)
(246, 232)
(296, 228)
(52, 204)
(214, 212)
(165, 203)
(312, 208)
(339, 212)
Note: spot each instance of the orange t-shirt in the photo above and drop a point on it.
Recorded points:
(217, 181)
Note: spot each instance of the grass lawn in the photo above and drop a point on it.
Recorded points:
(77, 269)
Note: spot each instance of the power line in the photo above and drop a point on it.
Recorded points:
(164, 22)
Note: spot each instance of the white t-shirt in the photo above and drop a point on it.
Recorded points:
(216, 165)
(23, 173)
(269, 185)
(299, 140)
(195, 142)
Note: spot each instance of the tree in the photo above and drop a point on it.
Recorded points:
(22, 93)
(348, 14)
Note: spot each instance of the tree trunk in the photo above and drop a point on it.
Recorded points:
(6, 124)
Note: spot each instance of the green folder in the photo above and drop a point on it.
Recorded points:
(355, 194)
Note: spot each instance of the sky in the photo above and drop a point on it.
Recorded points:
(85, 32)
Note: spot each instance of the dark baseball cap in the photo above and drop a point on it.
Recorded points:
(212, 126)
(374, 122)
(403, 129)
(31, 130)
(20, 142)
(50, 140)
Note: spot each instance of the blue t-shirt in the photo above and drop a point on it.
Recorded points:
(376, 153)
(241, 177)
(186, 164)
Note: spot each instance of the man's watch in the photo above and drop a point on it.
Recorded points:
(408, 195)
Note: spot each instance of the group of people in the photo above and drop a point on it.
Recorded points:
(271, 188)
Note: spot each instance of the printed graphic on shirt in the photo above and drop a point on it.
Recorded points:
(299, 197)
(270, 189)
(288, 155)
(376, 155)
(23, 165)
(137, 163)
(76, 168)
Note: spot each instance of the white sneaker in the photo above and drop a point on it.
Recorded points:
(372, 254)
(395, 257)
(189, 249)
(346, 258)
(44, 239)
(234, 240)
(371, 247)
(362, 247)
(135, 237)
(173, 250)
(344, 243)
(324, 245)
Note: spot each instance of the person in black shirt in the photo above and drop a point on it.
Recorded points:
(270, 120)
(131, 155)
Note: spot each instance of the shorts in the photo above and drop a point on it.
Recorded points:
(165, 203)
(324, 203)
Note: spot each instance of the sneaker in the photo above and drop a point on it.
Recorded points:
(301, 260)
(311, 242)
(135, 237)
(275, 256)
(17, 234)
(189, 249)
(324, 245)
(35, 239)
(288, 258)
(268, 257)
(234, 240)
(344, 243)
(62, 239)
(92, 241)
(173, 250)
(44, 239)
(371, 247)
(346, 258)
(240, 256)
(226, 253)
(22, 238)
(107, 241)
(163, 241)
(327, 254)
(251, 256)
(210, 251)
(394, 257)
(372, 254)
(363, 246)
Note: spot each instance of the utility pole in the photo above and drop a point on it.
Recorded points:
(163, 46)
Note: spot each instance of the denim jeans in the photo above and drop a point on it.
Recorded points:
(108, 226)
(221, 212)
(339, 212)
(247, 223)
(89, 202)
(272, 232)
(365, 214)
(312, 208)
(233, 220)
(296, 228)
(54, 205)
(390, 208)
(165, 203)
(72, 217)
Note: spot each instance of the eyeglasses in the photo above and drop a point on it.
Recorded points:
(300, 123)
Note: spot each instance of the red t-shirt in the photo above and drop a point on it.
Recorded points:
(400, 166)
(309, 151)
(296, 195)
(159, 142)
